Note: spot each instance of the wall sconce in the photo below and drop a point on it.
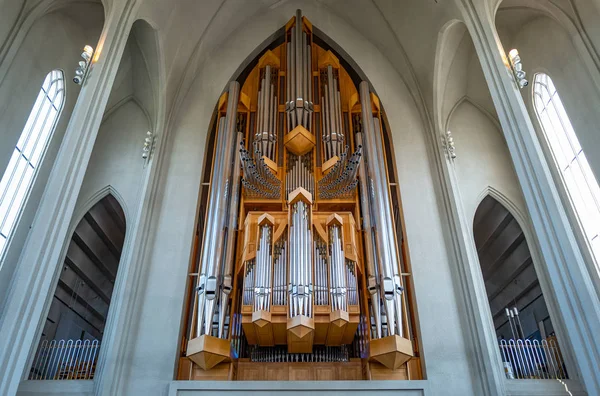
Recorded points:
(448, 145)
(82, 70)
(148, 143)
(517, 68)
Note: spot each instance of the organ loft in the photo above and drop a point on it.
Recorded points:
(300, 270)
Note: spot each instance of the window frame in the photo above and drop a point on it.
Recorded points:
(558, 173)
(30, 148)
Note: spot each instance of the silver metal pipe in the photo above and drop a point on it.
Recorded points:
(288, 84)
(331, 105)
(389, 226)
(232, 216)
(298, 66)
(310, 84)
(385, 241)
(301, 282)
(305, 82)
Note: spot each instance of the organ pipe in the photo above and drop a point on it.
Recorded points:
(321, 273)
(300, 288)
(299, 105)
(210, 268)
(341, 179)
(337, 264)
(331, 113)
(390, 282)
(265, 138)
(369, 243)
(232, 224)
(262, 289)
(258, 179)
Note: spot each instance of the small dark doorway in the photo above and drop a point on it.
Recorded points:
(73, 330)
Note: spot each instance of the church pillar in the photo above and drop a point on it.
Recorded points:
(577, 300)
(22, 317)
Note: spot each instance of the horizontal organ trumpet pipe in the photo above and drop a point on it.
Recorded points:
(300, 270)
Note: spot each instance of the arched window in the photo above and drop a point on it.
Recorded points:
(29, 151)
(570, 159)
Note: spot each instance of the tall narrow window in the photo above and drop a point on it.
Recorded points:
(570, 159)
(29, 151)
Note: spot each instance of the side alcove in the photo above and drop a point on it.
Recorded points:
(300, 267)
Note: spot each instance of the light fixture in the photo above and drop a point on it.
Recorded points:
(148, 143)
(517, 68)
(448, 145)
(84, 65)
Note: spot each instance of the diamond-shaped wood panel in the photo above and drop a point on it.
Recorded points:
(301, 332)
(392, 351)
(299, 141)
(208, 351)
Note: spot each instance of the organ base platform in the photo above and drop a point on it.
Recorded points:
(245, 370)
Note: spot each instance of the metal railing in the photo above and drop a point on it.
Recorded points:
(532, 359)
(65, 360)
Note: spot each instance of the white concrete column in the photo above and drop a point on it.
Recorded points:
(577, 301)
(39, 265)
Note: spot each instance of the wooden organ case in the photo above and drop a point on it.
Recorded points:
(303, 272)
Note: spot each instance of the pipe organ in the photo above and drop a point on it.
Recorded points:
(301, 261)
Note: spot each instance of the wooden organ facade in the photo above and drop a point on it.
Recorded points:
(300, 269)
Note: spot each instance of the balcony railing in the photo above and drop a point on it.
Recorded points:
(532, 359)
(65, 360)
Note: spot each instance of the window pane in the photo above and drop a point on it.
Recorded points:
(11, 191)
(566, 123)
(42, 120)
(554, 140)
(19, 198)
(29, 151)
(8, 174)
(581, 185)
(40, 145)
(31, 120)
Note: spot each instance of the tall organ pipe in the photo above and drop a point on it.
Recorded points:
(336, 268)
(210, 268)
(301, 285)
(232, 225)
(385, 241)
(265, 136)
(262, 290)
(373, 281)
(299, 75)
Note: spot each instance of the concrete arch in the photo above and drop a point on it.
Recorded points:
(466, 99)
(93, 200)
(130, 98)
(507, 203)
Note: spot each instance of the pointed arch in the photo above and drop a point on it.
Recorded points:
(485, 112)
(79, 311)
(93, 200)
